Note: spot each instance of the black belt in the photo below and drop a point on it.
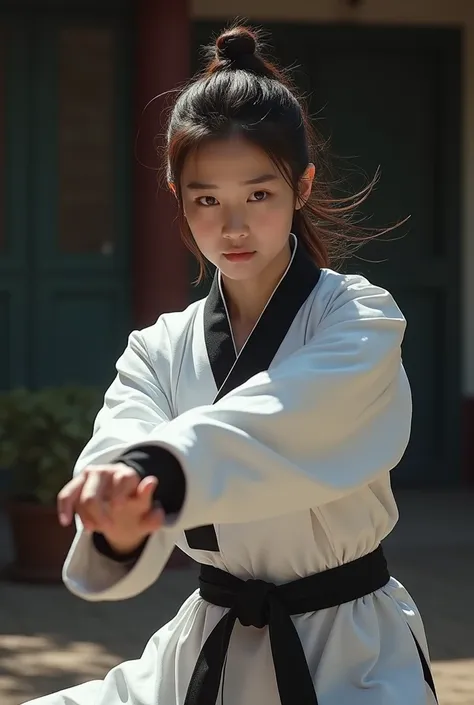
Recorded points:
(258, 603)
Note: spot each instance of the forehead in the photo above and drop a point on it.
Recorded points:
(230, 160)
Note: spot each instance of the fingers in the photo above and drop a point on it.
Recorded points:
(145, 492)
(68, 497)
(92, 488)
(103, 496)
(146, 487)
(88, 521)
(153, 518)
(125, 483)
(93, 502)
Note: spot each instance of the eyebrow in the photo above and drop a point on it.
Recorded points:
(263, 179)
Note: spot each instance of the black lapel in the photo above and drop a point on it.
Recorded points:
(258, 352)
(218, 334)
(262, 346)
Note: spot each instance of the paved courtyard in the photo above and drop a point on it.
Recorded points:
(50, 640)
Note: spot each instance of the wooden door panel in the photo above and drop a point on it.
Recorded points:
(81, 202)
(79, 330)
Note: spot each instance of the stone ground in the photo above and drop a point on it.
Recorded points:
(50, 639)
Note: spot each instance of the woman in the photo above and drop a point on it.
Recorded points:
(256, 430)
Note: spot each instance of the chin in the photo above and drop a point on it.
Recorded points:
(238, 273)
(241, 271)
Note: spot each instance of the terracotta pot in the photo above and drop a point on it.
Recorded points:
(40, 543)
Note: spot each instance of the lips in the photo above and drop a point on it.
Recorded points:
(239, 252)
(238, 256)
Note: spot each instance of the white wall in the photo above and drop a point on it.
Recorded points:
(415, 12)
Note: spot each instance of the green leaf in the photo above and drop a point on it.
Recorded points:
(41, 435)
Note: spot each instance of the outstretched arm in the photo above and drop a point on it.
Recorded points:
(135, 406)
(319, 425)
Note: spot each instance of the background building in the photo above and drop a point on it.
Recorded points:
(88, 247)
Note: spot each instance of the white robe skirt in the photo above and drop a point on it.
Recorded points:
(287, 450)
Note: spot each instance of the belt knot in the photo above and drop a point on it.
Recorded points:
(252, 603)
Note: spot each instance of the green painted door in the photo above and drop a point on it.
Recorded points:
(390, 97)
(66, 157)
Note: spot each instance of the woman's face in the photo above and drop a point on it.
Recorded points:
(239, 207)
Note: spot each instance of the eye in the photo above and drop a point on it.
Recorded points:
(259, 196)
(207, 201)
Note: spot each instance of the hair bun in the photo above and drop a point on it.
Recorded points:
(235, 44)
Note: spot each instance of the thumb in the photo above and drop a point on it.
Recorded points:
(145, 491)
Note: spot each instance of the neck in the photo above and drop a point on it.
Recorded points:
(246, 299)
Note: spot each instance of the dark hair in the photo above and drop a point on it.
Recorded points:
(240, 92)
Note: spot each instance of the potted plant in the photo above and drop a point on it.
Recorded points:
(41, 435)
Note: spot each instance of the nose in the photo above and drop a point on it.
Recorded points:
(235, 226)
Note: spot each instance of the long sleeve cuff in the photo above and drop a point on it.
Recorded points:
(105, 549)
(149, 460)
(152, 460)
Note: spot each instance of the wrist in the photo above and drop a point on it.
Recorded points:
(120, 551)
(123, 548)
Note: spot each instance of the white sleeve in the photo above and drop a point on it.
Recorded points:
(325, 421)
(135, 405)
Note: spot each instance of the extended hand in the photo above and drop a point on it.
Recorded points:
(114, 501)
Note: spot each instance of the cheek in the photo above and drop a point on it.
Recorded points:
(203, 223)
(274, 214)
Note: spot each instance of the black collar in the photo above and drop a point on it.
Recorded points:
(258, 352)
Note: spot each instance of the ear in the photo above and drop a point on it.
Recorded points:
(305, 185)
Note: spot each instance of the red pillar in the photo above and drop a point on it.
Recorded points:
(160, 260)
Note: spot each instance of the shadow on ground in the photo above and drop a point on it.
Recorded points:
(50, 639)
